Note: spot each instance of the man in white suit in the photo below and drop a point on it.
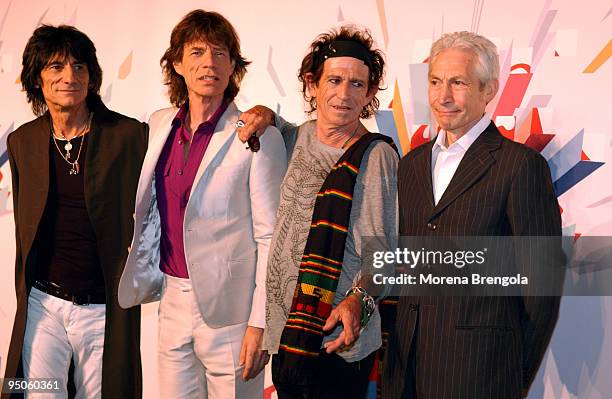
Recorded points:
(205, 213)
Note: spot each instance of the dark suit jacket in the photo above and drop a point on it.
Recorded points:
(116, 149)
(474, 347)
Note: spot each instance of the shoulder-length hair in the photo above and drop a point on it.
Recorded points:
(49, 43)
(210, 27)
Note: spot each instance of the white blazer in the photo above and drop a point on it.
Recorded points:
(227, 229)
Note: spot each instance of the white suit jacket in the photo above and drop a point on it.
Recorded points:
(227, 228)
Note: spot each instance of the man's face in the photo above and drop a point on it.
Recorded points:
(455, 97)
(342, 91)
(206, 69)
(64, 82)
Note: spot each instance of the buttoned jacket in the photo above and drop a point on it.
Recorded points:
(472, 346)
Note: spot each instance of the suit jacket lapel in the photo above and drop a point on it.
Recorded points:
(219, 142)
(476, 161)
(156, 145)
(423, 174)
(93, 158)
(38, 150)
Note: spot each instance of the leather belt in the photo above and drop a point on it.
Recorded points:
(59, 292)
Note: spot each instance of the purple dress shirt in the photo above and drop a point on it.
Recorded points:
(174, 176)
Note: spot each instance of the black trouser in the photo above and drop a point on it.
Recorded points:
(335, 379)
(410, 382)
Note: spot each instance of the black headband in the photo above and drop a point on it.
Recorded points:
(343, 48)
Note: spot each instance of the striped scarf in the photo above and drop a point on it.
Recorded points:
(321, 263)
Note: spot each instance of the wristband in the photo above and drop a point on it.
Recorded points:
(367, 304)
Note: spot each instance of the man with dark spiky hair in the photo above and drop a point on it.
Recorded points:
(322, 326)
(74, 172)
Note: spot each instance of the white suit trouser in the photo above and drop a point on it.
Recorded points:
(57, 330)
(195, 360)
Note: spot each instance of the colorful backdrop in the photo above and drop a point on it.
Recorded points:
(555, 96)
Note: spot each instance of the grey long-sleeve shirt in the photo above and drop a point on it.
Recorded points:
(373, 213)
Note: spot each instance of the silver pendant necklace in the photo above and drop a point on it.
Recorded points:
(67, 147)
(74, 165)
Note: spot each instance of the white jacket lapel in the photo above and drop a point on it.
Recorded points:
(220, 142)
(159, 130)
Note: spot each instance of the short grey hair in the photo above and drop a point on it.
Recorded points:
(487, 64)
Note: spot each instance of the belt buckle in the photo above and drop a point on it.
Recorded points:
(75, 300)
(40, 286)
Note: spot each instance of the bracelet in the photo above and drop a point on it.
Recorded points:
(367, 304)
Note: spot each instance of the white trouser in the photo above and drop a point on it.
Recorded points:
(195, 360)
(57, 330)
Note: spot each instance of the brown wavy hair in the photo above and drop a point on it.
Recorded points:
(210, 27)
(312, 65)
(46, 44)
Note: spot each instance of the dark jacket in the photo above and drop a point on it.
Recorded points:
(474, 347)
(116, 149)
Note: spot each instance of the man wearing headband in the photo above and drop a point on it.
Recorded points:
(322, 326)
(205, 213)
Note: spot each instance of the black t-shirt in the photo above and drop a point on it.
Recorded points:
(65, 241)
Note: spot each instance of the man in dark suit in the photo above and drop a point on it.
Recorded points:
(470, 181)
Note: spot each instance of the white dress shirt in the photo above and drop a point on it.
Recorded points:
(445, 159)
